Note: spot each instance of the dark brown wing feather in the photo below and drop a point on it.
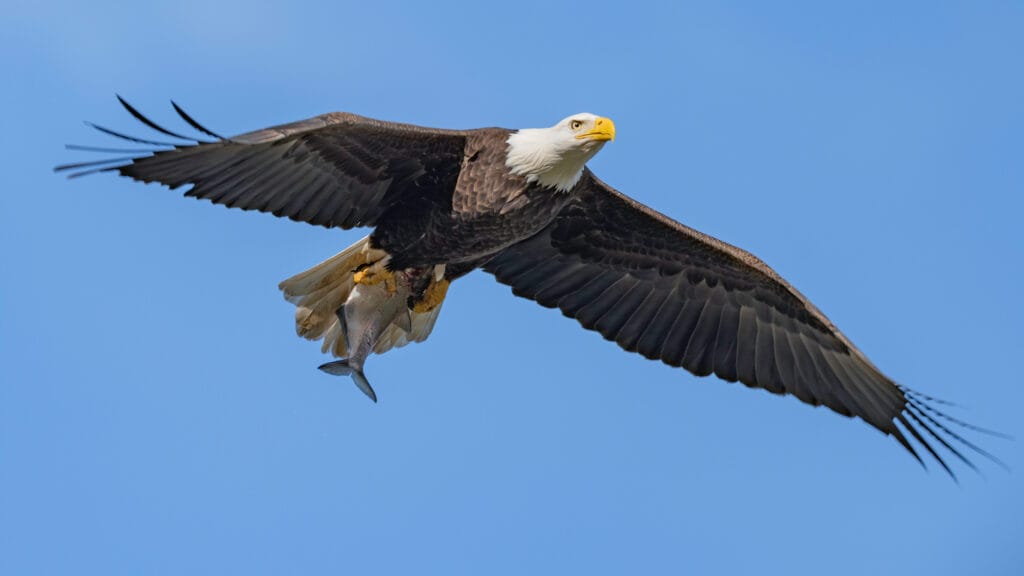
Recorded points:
(670, 293)
(335, 170)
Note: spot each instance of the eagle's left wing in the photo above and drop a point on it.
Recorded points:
(670, 293)
(334, 170)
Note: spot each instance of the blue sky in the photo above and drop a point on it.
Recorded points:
(159, 416)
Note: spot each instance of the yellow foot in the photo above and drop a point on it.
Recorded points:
(432, 297)
(370, 275)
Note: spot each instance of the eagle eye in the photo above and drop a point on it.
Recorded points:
(575, 124)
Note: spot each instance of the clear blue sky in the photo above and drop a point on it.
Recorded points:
(159, 416)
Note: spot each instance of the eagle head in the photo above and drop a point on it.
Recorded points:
(555, 156)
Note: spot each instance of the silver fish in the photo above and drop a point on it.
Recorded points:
(368, 311)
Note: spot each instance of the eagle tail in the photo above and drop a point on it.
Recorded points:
(342, 368)
(319, 292)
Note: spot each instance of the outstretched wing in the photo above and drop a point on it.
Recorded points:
(670, 293)
(335, 170)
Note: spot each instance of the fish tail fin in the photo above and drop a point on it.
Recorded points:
(360, 379)
(342, 368)
(320, 291)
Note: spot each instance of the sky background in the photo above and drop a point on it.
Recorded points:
(158, 415)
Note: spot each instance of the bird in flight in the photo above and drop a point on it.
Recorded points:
(522, 206)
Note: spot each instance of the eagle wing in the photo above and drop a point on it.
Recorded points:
(670, 293)
(334, 170)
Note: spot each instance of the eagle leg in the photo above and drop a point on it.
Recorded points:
(432, 296)
(370, 274)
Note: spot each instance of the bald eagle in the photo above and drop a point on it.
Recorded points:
(523, 206)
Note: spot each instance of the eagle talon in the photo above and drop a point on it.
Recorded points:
(367, 275)
(432, 296)
(364, 276)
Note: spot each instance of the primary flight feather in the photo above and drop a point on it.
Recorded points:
(521, 205)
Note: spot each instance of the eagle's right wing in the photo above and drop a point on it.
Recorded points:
(670, 293)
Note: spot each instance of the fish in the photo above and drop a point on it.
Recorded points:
(368, 311)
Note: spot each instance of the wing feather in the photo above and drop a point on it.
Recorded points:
(650, 342)
(699, 355)
(725, 345)
(640, 318)
(746, 345)
(592, 313)
(678, 339)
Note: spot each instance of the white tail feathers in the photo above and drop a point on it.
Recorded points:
(320, 291)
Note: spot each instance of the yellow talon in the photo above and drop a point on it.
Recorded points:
(368, 276)
(432, 297)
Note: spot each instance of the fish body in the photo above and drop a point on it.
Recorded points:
(368, 311)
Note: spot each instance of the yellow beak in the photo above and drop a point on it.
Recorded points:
(603, 130)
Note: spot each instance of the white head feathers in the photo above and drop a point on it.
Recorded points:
(555, 156)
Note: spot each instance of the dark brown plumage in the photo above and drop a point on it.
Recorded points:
(642, 280)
